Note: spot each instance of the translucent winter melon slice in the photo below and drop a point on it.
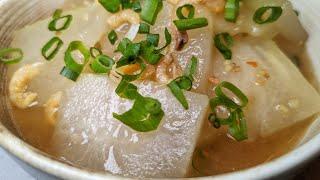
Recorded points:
(87, 135)
(279, 95)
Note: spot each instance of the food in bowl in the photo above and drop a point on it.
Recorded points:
(162, 88)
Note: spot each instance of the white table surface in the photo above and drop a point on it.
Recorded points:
(11, 170)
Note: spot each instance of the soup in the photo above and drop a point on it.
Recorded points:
(162, 88)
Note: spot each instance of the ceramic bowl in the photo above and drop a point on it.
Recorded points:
(14, 14)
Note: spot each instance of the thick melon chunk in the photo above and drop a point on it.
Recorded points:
(87, 135)
(279, 95)
(88, 25)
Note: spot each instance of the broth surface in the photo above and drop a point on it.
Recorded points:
(215, 154)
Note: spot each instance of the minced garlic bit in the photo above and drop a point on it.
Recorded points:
(283, 109)
(261, 77)
(294, 103)
(125, 16)
(230, 66)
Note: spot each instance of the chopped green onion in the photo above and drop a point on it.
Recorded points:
(127, 90)
(188, 24)
(102, 64)
(259, 15)
(11, 55)
(176, 86)
(145, 115)
(150, 10)
(144, 28)
(129, 49)
(136, 6)
(168, 38)
(178, 93)
(223, 42)
(55, 42)
(112, 6)
(113, 37)
(190, 8)
(149, 53)
(235, 121)
(236, 91)
(57, 17)
(57, 13)
(68, 73)
(153, 39)
(231, 10)
(238, 127)
(126, 4)
(94, 52)
(70, 62)
(192, 68)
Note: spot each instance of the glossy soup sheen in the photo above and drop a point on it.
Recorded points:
(213, 155)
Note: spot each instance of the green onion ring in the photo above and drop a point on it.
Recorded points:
(68, 73)
(102, 64)
(4, 53)
(94, 52)
(54, 42)
(191, 11)
(71, 62)
(53, 24)
(236, 91)
(231, 10)
(223, 42)
(276, 12)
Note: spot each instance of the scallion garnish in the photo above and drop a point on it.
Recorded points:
(236, 91)
(102, 64)
(235, 121)
(144, 116)
(136, 6)
(150, 10)
(177, 91)
(260, 15)
(223, 43)
(11, 55)
(144, 28)
(231, 10)
(113, 37)
(112, 6)
(153, 39)
(51, 48)
(184, 83)
(94, 52)
(189, 7)
(57, 18)
(192, 68)
(149, 53)
(188, 24)
(168, 39)
(74, 66)
(68, 73)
